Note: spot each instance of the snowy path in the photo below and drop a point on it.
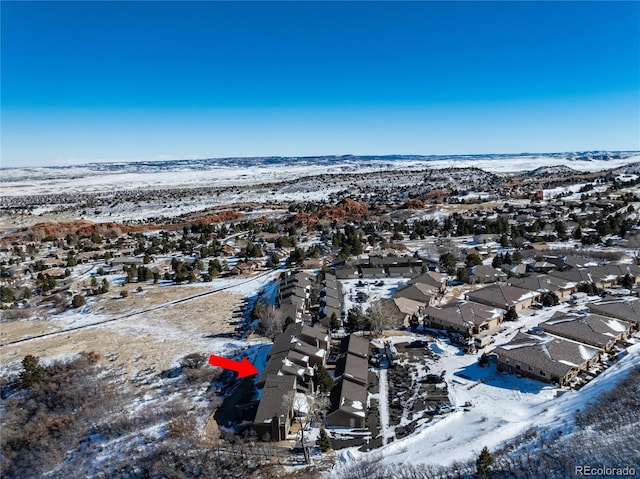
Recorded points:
(383, 405)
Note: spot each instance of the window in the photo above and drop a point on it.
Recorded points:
(530, 368)
(517, 366)
(542, 373)
(506, 360)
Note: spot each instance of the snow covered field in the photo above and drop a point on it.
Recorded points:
(98, 177)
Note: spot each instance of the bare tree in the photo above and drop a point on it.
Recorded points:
(377, 319)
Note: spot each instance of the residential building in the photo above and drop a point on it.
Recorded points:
(546, 358)
(465, 317)
(275, 410)
(504, 296)
(592, 329)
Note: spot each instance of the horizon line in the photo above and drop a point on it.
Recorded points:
(81, 162)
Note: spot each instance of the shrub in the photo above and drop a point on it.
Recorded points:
(78, 301)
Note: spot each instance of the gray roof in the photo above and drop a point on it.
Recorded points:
(343, 273)
(623, 308)
(288, 309)
(556, 356)
(328, 311)
(399, 308)
(542, 283)
(595, 274)
(355, 344)
(272, 367)
(317, 333)
(500, 295)
(417, 291)
(350, 397)
(288, 362)
(290, 340)
(464, 313)
(352, 367)
(575, 275)
(393, 260)
(332, 302)
(593, 329)
(429, 278)
(274, 398)
(404, 271)
(487, 272)
(328, 277)
(372, 272)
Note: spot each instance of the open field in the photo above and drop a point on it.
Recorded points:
(153, 339)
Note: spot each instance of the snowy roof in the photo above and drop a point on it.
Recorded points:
(542, 283)
(501, 295)
(555, 356)
(593, 329)
(465, 313)
(626, 308)
(349, 397)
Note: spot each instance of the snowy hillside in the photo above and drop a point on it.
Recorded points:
(242, 171)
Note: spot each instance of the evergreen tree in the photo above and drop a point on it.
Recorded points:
(473, 259)
(31, 371)
(628, 281)
(550, 299)
(517, 257)
(287, 321)
(333, 321)
(577, 233)
(483, 463)
(414, 322)
(323, 442)
(323, 379)
(511, 314)
(448, 263)
(354, 319)
(483, 361)
(463, 275)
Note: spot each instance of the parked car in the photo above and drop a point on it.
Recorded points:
(482, 341)
(433, 379)
(537, 330)
(444, 409)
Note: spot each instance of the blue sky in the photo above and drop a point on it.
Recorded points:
(123, 80)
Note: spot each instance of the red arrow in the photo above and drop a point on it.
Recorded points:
(244, 367)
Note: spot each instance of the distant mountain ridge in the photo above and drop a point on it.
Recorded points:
(344, 162)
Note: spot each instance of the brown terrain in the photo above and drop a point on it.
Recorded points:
(150, 341)
(346, 209)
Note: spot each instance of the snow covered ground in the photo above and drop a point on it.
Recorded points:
(351, 287)
(504, 405)
(137, 175)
